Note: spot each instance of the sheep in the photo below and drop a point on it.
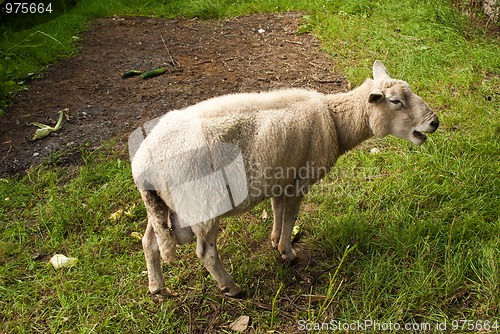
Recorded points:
(223, 156)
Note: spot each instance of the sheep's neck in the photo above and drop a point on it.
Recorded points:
(350, 116)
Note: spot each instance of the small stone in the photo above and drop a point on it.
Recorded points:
(374, 150)
(36, 154)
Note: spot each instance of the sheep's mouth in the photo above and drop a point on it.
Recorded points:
(419, 135)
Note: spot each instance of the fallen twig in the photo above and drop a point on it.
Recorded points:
(317, 66)
(203, 62)
(328, 81)
(7, 154)
(173, 62)
(294, 42)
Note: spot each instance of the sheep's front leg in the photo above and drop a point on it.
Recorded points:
(290, 213)
(278, 207)
(153, 263)
(206, 250)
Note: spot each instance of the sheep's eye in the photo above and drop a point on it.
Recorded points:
(394, 101)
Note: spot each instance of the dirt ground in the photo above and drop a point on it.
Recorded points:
(252, 53)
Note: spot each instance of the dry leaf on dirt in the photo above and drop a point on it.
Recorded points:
(240, 324)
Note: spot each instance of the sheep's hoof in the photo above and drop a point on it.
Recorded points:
(239, 295)
(289, 255)
(234, 292)
(275, 243)
(290, 261)
(162, 294)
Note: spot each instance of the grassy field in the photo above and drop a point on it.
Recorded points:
(408, 235)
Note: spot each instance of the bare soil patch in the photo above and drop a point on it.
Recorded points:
(251, 53)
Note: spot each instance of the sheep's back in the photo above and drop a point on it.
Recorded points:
(273, 131)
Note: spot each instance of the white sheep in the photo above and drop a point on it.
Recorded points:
(223, 156)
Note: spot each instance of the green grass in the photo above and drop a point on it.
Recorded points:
(411, 234)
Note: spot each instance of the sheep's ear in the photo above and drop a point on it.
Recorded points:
(379, 71)
(376, 96)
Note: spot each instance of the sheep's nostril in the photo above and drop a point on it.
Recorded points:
(435, 124)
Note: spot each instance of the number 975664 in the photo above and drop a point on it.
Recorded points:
(27, 8)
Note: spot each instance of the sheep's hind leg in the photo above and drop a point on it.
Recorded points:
(158, 242)
(278, 206)
(153, 263)
(158, 215)
(206, 250)
(291, 211)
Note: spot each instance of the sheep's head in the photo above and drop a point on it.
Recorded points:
(398, 111)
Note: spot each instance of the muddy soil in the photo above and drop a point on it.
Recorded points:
(203, 59)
